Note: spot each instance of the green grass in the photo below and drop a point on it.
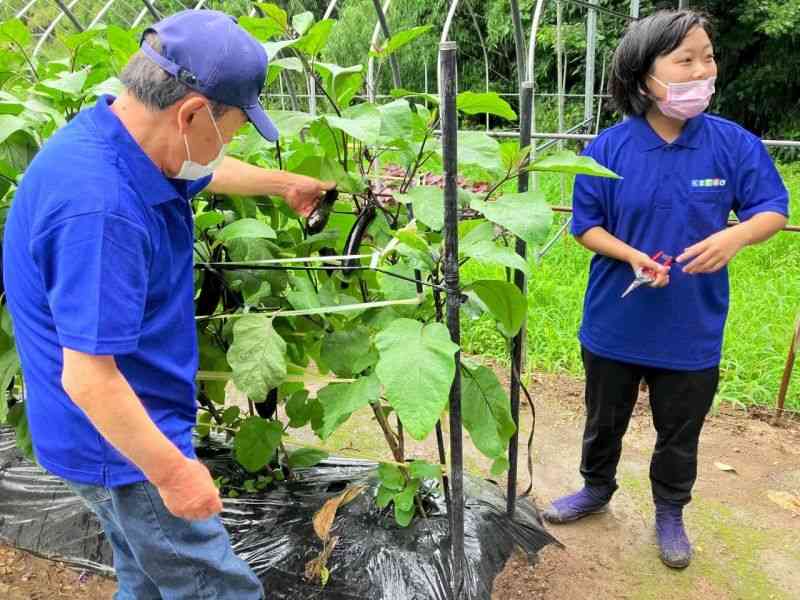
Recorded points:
(765, 302)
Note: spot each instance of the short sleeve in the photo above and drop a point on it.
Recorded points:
(95, 268)
(197, 186)
(588, 197)
(758, 186)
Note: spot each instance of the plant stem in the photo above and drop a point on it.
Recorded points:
(390, 436)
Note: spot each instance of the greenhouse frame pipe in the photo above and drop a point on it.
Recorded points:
(66, 10)
(151, 9)
(24, 9)
(139, 18)
(519, 44)
(448, 21)
(518, 342)
(50, 29)
(530, 76)
(591, 58)
(477, 27)
(371, 62)
(200, 5)
(388, 34)
(329, 10)
(448, 69)
(101, 13)
(634, 9)
(589, 4)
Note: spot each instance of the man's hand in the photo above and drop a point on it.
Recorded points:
(714, 252)
(190, 493)
(639, 261)
(303, 194)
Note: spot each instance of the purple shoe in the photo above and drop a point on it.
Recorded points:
(590, 500)
(673, 544)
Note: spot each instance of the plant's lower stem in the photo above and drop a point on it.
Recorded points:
(390, 436)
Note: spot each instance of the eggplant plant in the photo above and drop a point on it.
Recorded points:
(312, 324)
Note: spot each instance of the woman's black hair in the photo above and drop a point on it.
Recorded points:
(644, 41)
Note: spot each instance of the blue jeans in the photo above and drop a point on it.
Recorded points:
(158, 556)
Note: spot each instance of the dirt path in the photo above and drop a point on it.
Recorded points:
(745, 524)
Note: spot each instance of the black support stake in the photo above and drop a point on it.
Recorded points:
(518, 343)
(448, 68)
(151, 9)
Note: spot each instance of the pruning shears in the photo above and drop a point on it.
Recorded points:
(646, 275)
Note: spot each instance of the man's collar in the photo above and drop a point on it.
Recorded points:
(145, 177)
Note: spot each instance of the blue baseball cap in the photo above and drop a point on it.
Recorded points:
(210, 53)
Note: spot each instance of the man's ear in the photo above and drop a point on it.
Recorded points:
(188, 110)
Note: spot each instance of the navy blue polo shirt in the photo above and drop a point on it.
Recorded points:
(98, 258)
(671, 196)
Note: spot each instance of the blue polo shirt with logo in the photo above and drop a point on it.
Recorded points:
(97, 257)
(671, 196)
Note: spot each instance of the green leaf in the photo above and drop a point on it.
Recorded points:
(299, 409)
(568, 162)
(306, 457)
(527, 214)
(230, 415)
(480, 149)
(416, 368)
(500, 466)
(257, 356)
(123, 42)
(391, 477)
(316, 38)
(276, 14)
(384, 496)
(291, 63)
(207, 220)
(405, 499)
(489, 252)
(362, 122)
(396, 121)
(403, 93)
(512, 157)
(400, 39)
(246, 228)
(488, 102)
(403, 517)
(203, 425)
(256, 442)
(301, 22)
(428, 202)
(67, 82)
(213, 358)
(303, 294)
(263, 29)
(474, 231)
(504, 301)
(290, 123)
(420, 469)
(340, 400)
(486, 411)
(342, 348)
(14, 30)
(274, 48)
(9, 125)
(9, 367)
(335, 71)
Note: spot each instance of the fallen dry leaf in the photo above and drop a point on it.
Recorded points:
(790, 502)
(724, 467)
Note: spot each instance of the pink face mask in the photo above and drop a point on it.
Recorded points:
(686, 100)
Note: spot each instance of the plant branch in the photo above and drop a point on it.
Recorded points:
(390, 436)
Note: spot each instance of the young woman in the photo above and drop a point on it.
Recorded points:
(683, 172)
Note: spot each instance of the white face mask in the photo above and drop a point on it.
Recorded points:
(191, 170)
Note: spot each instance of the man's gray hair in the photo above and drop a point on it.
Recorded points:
(153, 86)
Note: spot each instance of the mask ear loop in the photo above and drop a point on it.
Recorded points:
(214, 122)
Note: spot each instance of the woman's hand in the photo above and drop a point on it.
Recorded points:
(714, 252)
(641, 263)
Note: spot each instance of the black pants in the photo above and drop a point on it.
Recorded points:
(679, 401)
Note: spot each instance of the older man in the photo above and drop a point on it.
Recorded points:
(98, 271)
